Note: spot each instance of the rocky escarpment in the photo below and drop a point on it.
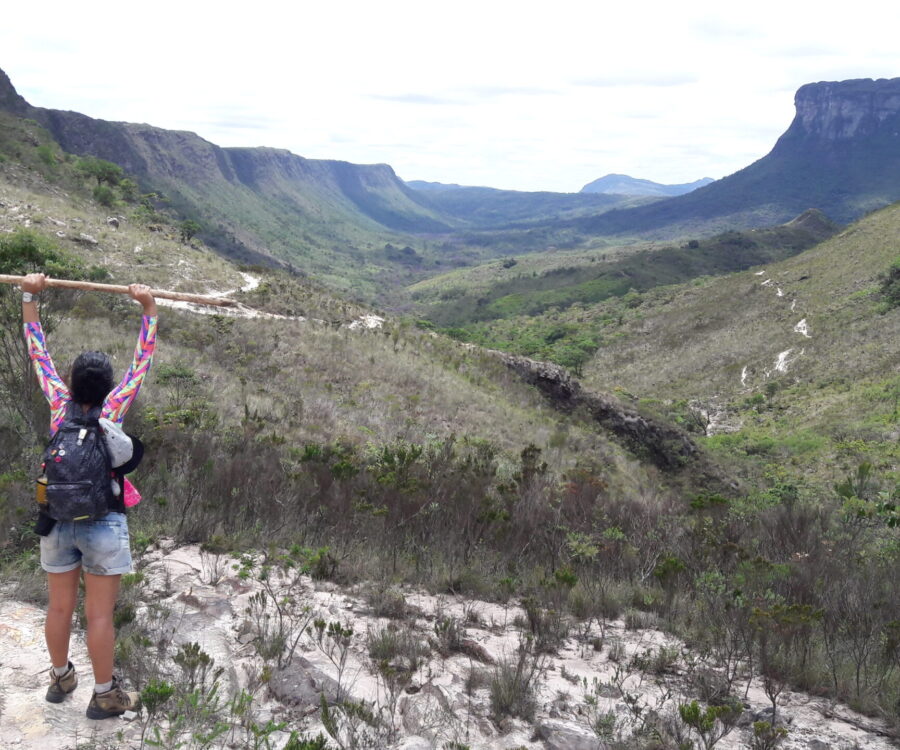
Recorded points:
(252, 193)
(847, 109)
(666, 446)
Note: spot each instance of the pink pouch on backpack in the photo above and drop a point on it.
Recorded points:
(132, 496)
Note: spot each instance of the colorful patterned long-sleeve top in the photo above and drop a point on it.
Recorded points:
(119, 399)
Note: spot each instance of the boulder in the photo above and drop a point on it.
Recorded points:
(301, 683)
(564, 735)
(428, 707)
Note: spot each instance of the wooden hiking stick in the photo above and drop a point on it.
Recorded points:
(197, 299)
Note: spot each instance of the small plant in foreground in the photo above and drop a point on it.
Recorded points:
(767, 737)
(514, 684)
(710, 724)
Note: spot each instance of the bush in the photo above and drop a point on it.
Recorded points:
(104, 195)
(46, 155)
(890, 286)
(400, 648)
(514, 684)
(387, 602)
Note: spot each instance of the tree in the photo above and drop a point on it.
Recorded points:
(100, 170)
(188, 229)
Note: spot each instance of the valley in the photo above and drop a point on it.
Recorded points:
(546, 470)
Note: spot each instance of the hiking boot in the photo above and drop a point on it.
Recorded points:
(61, 686)
(114, 702)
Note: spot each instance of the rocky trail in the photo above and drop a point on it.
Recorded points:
(435, 691)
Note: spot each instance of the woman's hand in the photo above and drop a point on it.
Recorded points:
(141, 293)
(34, 283)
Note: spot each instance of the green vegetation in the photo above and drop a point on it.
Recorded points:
(549, 309)
(396, 455)
(890, 286)
(99, 169)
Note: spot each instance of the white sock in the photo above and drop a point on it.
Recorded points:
(103, 687)
(60, 671)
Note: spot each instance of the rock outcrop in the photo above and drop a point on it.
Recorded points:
(834, 111)
(666, 446)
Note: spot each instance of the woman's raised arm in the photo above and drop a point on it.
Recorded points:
(121, 397)
(55, 390)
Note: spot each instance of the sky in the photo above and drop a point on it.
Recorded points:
(515, 95)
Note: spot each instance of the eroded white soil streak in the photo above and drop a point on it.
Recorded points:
(783, 359)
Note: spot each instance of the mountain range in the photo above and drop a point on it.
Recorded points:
(342, 222)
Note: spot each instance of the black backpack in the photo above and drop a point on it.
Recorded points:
(79, 476)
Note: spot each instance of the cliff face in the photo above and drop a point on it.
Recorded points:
(255, 194)
(847, 109)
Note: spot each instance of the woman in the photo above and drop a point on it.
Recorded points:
(100, 548)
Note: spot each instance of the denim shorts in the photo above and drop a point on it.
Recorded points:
(101, 546)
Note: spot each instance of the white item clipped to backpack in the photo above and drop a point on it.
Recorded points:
(117, 442)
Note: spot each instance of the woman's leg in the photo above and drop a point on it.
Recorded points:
(63, 594)
(99, 601)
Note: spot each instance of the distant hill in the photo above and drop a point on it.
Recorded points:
(840, 155)
(622, 184)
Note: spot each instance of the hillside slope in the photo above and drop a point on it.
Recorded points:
(794, 368)
(697, 339)
(539, 304)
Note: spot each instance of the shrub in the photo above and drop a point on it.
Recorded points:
(514, 684)
(386, 602)
(399, 647)
(710, 724)
(890, 286)
(104, 195)
(449, 633)
(46, 155)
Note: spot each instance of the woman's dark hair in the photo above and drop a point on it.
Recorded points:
(92, 378)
